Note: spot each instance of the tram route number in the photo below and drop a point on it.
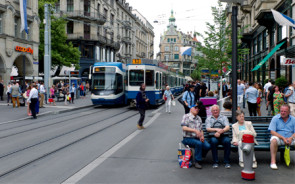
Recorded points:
(136, 61)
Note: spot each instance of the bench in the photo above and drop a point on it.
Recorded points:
(263, 139)
(59, 96)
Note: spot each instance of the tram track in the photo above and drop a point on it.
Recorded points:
(29, 162)
(63, 121)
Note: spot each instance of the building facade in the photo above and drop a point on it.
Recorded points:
(171, 42)
(104, 30)
(260, 35)
(18, 49)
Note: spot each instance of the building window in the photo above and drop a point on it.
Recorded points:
(118, 12)
(174, 39)
(166, 57)
(1, 23)
(112, 19)
(70, 27)
(98, 10)
(265, 40)
(70, 5)
(167, 48)
(259, 44)
(105, 13)
(57, 6)
(16, 27)
(279, 33)
(112, 3)
(87, 7)
(176, 56)
(87, 51)
(168, 40)
(255, 46)
(176, 48)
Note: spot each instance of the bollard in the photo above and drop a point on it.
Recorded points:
(248, 151)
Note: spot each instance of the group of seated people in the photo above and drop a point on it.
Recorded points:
(282, 129)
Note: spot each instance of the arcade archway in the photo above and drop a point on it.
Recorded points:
(24, 67)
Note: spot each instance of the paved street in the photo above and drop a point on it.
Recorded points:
(102, 145)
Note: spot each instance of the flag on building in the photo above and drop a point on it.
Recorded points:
(186, 51)
(23, 14)
(282, 19)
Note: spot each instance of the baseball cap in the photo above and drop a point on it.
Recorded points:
(194, 106)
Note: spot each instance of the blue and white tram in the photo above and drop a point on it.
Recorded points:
(108, 83)
(155, 79)
(148, 74)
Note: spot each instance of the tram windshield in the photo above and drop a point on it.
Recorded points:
(136, 77)
(107, 83)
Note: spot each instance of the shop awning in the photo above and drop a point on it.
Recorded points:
(268, 56)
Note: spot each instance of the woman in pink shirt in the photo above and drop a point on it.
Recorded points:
(52, 95)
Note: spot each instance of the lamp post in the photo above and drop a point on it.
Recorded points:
(234, 53)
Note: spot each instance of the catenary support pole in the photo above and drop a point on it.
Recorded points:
(234, 61)
(46, 52)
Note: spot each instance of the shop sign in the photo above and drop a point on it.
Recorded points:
(288, 61)
(23, 49)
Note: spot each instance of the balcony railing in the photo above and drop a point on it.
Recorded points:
(92, 37)
(93, 16)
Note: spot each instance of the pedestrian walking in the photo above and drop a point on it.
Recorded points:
(2, 86)
(73, 92)
(27, 94)
(241, 93)
(33, 98)
(15, 92)
(188, 99)
(141, 104)
(42, 94)
(259, 98)
(269, 98)
(168, 97)
(278, 100)
(8, 93)
(251, 94)
(52, 95)
(82, 90)
(290, 95)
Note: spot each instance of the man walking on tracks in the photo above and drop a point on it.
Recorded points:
(141, 103)
(33, 99)
(282, 129)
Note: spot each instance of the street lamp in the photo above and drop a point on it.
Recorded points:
(234, 53)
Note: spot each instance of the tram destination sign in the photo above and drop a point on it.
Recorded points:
(288, 61)
(105, 69)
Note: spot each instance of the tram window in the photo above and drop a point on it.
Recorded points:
(119, 80)
(160, 81)
(149, 77)
(136, 77)
(157, 81)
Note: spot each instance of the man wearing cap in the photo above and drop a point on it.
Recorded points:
(193, 135)
(218, 126)
(189, 98)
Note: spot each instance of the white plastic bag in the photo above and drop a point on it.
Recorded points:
(173, 102)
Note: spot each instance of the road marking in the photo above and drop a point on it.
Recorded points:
(94, 164)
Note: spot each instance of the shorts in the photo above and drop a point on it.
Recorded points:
(280, 141)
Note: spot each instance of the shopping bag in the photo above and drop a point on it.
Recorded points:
(165, 98)
(173, 103)
(287, 155)
(50, 100)
(184, 157)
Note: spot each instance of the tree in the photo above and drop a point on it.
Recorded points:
(217, 45)
(63, 53)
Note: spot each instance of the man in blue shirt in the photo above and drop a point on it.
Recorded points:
(251, 95)
(241, 92)
(282, 129)
(189, 98)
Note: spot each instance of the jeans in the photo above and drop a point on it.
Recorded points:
(33, 107)
(142, 115)
(201, 148)
(8, 98)
(244, 102)
(225, 141)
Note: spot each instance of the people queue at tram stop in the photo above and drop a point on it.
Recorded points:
(33, 95)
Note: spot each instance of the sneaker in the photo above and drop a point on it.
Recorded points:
(242, 164)
(274, 166)
(139, 127)
(198, 165)
(215, 166)
(227, 166)
(254, 166)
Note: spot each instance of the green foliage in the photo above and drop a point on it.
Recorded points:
(63, 53)
(281, 82)
(196, 75)
(217, 45)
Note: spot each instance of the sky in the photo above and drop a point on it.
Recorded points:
(191, 15)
